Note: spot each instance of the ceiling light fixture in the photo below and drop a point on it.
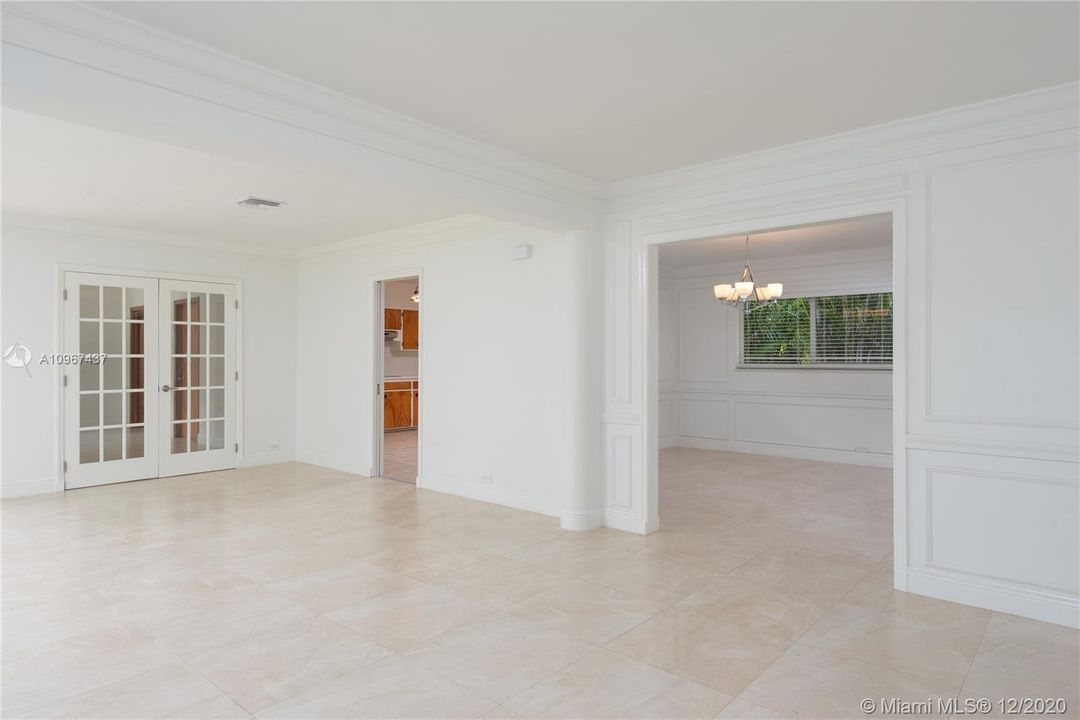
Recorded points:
(744, 290)
(256, 203)
(415, 297)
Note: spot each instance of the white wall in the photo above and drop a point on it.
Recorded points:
(398, 362)
(497, 409)
(986, 419)
(31, 298)
(986, 451)
(708, 401)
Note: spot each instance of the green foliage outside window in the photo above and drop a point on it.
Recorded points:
(837, 330)
(778, 333)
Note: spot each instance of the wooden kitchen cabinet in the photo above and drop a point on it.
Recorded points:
(401, 408)
(410, 329)
(397, 405)
(391, 319)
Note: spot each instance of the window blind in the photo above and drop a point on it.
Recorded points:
(830, 330)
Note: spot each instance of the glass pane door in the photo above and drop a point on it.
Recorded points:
(107, 319)
(199, 363)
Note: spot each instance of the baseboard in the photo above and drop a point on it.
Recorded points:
(270, 458)
(788, 451)
(29, 487)
(1025, 601)
(581, 521)
(625, 521)
(354, 465)
(491, 494)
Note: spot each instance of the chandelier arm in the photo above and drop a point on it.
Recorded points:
(758, 295)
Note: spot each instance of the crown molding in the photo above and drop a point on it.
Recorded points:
(830, 259)
(1039, 111)
(94, 38)
(47, 228)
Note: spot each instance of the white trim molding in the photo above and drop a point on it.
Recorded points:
(796, 452)
(581, 521)
(1060, 608)
(266, 458)
(349, 464)
(1015, 156)
(29, 487)
(1039, 111)
(110, 64)
(710, 400)
(491, 494)
(1013, 164)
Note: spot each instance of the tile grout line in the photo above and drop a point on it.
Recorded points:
(553, 673)
(219, 688)
(971, 665)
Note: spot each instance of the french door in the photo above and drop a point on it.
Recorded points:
(150, 388)
(111, 321)
(197, 428)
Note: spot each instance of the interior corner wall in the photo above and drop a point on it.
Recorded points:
(31, 299)
(708, 401)
(497, 349)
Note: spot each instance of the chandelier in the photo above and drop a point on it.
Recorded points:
(744, 289)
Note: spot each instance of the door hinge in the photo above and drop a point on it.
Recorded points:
(65, 466)
(237, 375)
(65, 381)
(236, 304)
(236, 447)
(65, 293)
(378, 388)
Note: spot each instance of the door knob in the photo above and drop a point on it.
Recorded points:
(165, 388)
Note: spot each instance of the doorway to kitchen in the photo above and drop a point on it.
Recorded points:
(400, 417)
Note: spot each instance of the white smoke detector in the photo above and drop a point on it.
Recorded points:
(256, 203)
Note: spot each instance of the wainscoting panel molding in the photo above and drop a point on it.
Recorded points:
(979, 416)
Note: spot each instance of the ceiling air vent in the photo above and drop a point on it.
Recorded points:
(259, 203)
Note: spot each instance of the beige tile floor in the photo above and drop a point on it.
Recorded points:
(293, 591)
(399, 455)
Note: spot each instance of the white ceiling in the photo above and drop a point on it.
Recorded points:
(60, 170)
(613, 90)
(872, 231)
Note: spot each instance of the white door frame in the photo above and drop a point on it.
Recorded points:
(58, 372)
(378, 281)
(651, 357)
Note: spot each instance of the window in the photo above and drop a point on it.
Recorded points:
(844, 330)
